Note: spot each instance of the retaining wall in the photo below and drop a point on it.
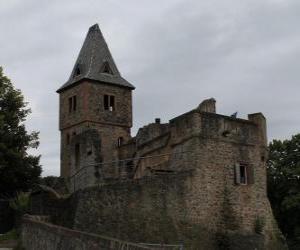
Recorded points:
(37, 235)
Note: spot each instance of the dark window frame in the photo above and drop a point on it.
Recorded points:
(109, 103)
(72, 102)
(68, 139)
(77, 155)
(244, 174)
(120, 141)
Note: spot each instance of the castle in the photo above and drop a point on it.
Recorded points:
(218, 161)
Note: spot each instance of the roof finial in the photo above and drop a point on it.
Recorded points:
(94, 27)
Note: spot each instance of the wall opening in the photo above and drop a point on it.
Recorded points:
(68, 139)
(72, 103)
(77, 155)
(120, 141)
(109, 102)
(244, 174)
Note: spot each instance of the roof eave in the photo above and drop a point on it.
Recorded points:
(61, 89)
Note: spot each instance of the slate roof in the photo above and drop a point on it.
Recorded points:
(95, 62)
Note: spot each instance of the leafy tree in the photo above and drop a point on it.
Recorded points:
(284, 186)
(18, 169)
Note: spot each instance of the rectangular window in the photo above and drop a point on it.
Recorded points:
(70, 104)
(77, 156)
(244, 174)
(74, 103)
(106, 102)
(109, 102)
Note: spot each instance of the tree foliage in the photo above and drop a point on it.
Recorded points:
(284, 186)
(18, 169)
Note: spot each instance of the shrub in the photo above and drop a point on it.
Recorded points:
(259, 225)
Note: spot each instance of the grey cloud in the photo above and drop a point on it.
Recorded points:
(243, 53)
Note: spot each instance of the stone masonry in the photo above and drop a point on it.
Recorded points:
(225, 191)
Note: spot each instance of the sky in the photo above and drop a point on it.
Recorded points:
(177, 53)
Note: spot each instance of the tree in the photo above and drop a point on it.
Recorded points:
(284, 186)
(19, 171)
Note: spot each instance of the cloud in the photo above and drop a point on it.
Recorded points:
(176, 53)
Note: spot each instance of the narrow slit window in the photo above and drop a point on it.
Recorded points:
(77, 71)
(77, 156)
(120, 141)
(74, 103)
(243, 174)
(68, 139)
(106, 68)
(106, 102)
(111, 103)
(70, 104)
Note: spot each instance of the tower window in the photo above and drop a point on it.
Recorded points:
(68, 139)
(72, 103)
(120, 141)
(244, 174)
(109, 102)
(77, 156)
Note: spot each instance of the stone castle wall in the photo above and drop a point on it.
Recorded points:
(170, 209)
(38, 235)
(191, 195)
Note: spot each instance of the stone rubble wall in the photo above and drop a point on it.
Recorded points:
(37, 235)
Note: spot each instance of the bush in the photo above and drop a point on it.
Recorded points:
(20, 203)
(259, 225)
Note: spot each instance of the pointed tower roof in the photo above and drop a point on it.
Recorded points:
(95, 62)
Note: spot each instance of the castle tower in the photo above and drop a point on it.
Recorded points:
(95, 108)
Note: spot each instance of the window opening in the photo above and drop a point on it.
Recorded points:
(120, 141)
(77, 156)
(70, 104)
(243, 174)
(109, 102)
(106, 105)
(74, 103)
(68, 139)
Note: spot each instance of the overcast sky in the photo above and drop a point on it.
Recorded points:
(245, 54)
